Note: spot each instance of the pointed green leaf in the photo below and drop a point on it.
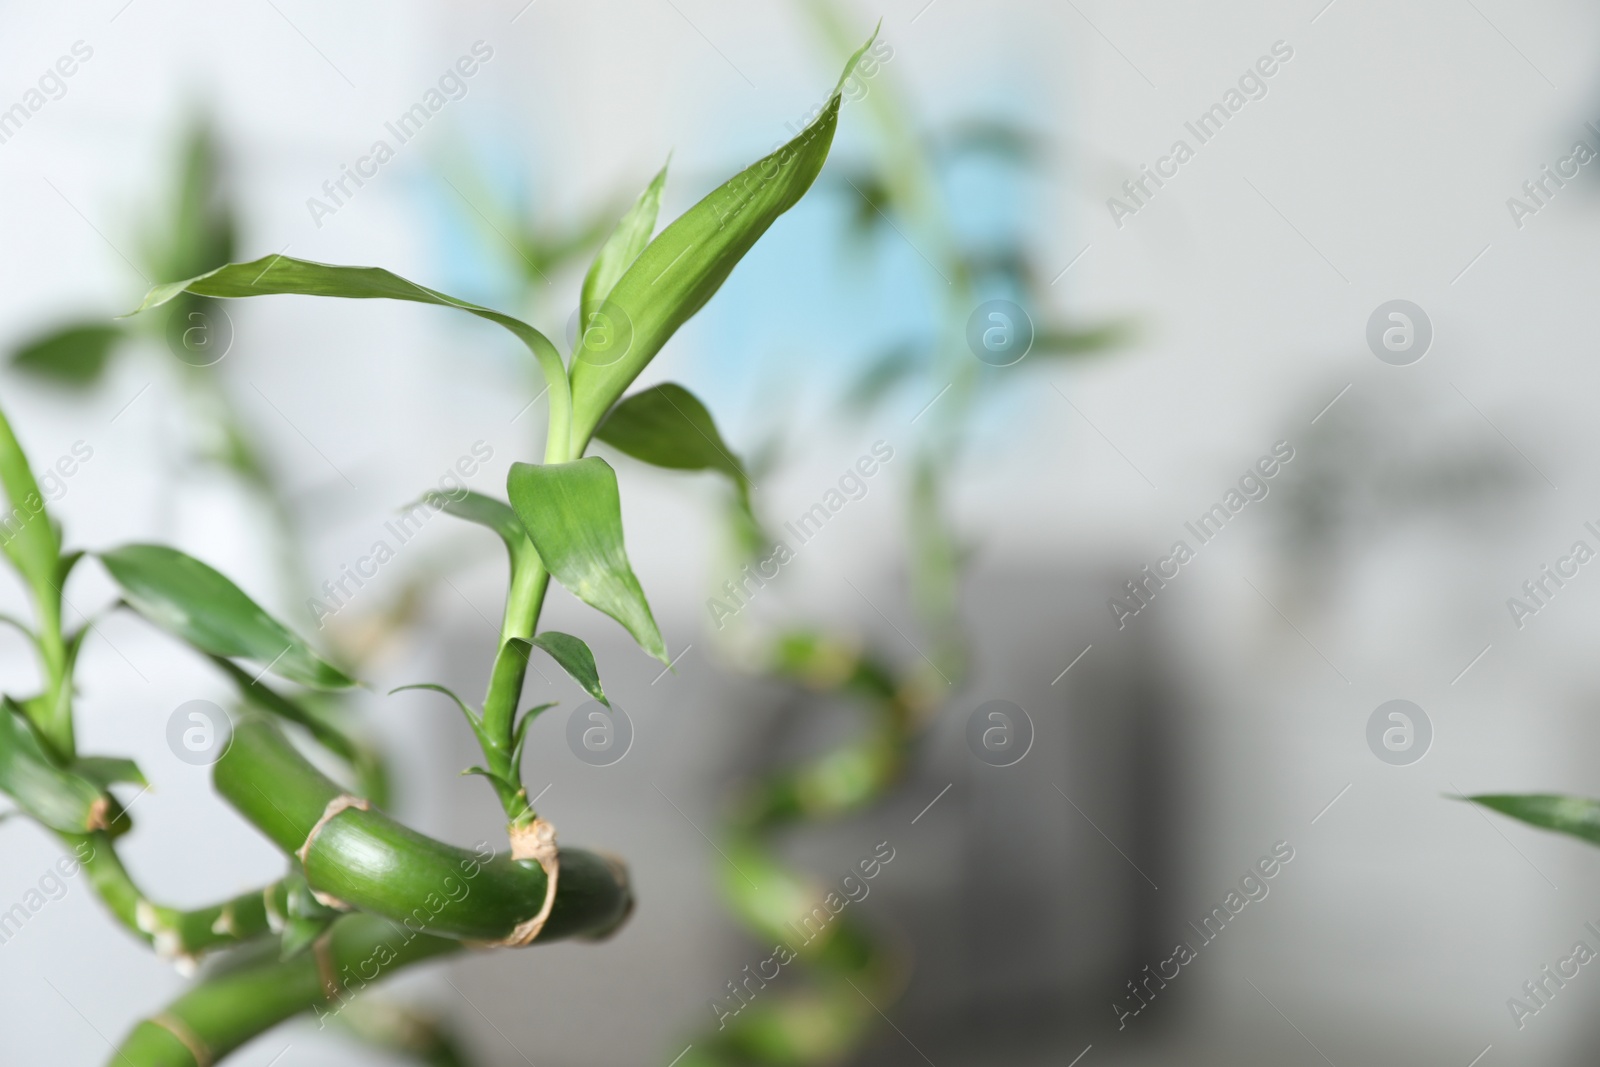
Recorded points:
(106, 771)
(573, 515)
(576, 659)
(1578, 816)
(58, 798)
(483, 510)
(193, 602)
(74, 355)
(27, 536)
(494, 514)
(474, 719)
(667, 426)
(466, 709)
(622, 247)
(272, 275)
(504, 789)
(684, 267)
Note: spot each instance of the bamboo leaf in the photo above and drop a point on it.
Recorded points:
(1578, 816)
(667, 426)
(621, 248)
(27, 536)
(575, 658)
(687, 263)
(485, 511)
(274, 275)
(505, 789)
(494, 514)
(74, 355)
(573, 514)
(58, 798)
(197, 604)
(473, 718)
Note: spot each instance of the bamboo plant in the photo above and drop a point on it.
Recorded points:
(196, 230)
(850, 973)
(363, 894)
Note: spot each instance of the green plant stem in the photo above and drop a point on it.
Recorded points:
(175, 933)
(53, 662)
(530, 581)
(231, 1007)
(372, 863)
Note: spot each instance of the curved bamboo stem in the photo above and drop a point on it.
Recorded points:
(224, 1011)
(360, 858)
(178, 934)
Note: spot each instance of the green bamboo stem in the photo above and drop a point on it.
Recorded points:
(178, 934)
(230, 1008)
(54, 662)
(848, 975)
(530, 581)
(367, 861)
(844, 970)
(851, 776)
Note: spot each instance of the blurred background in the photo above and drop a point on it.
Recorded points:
(1183, 330)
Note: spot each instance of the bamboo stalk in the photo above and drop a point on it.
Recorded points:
(361, 858)
(234, 1006)
(178, 934)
